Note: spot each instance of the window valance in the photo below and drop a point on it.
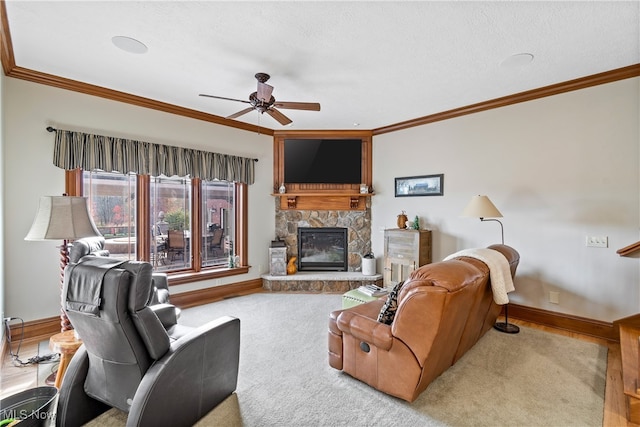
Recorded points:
(74, 150)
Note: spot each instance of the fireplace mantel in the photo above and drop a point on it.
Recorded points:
(325, 201)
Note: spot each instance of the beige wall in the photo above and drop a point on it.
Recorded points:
(31, 268)
(559, 169)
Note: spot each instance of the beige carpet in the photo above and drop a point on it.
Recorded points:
(529, 379)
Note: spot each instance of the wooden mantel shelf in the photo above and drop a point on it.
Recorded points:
(323, 194)
(323, 200)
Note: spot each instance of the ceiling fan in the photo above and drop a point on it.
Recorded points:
(264, 102)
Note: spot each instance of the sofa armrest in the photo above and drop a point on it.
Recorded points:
(198, 372)
(366, 329)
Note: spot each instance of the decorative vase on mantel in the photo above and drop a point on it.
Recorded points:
(402, 220)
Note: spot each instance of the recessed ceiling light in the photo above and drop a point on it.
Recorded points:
(518, 60)
(129, 45)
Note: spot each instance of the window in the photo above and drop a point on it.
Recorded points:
(112, 204)
(189, 228)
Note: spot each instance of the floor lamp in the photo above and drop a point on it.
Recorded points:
(481, 207)
(63, 218)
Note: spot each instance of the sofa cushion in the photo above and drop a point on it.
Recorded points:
(388, 311)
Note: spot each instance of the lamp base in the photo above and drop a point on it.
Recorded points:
(507, 328)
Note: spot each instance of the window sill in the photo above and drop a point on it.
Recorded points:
(190, 277)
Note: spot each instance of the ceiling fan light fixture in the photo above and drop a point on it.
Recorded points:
(262, 101)
(129, 44)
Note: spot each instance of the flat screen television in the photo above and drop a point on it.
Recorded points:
(323, 161)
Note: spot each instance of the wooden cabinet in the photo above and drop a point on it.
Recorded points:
(404, 252)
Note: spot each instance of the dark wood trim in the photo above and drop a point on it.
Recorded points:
(41, 328)
(216, 293)
(566, 322)
(241, 218)
(114, 95)
(73, 184)
(44, 328)
(6, 45)
(555, 89)
(143, 218)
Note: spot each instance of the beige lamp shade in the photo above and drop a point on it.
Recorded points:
(62, 218)
(481, 207)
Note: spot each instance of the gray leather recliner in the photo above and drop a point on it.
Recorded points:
(128, 361)
(95, 246)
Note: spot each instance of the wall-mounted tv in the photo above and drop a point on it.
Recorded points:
(323, 161)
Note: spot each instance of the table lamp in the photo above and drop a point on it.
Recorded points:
(63, 218)
(481, 207)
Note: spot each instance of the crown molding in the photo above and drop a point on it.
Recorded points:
(114, 95)
(555, 89)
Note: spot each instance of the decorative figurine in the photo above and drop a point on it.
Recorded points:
(291, 266)
(402, 220)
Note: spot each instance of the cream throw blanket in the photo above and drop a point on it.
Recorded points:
(499, 271)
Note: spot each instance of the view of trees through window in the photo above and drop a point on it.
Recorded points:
(113, 201)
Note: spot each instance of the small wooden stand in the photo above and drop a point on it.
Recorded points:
(66, 344)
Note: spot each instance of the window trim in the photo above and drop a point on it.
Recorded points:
(74, 186)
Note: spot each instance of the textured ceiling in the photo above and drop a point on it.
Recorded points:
(371, 63)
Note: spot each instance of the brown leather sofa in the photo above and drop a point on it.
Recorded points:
(443, 309)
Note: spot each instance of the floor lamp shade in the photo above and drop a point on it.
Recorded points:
(481, 207)
(62, 218)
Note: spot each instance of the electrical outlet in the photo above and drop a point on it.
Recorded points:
(597, 241)
(554, 297)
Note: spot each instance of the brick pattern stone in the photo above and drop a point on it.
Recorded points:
(319, 286)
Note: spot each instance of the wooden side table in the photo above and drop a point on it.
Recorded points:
(66, 344)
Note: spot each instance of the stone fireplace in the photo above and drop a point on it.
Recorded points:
(357, 223)
(358, 226)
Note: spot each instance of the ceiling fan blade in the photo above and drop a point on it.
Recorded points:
(264, 92)
(281, 118)
(226, 99)
(240, 113)
(311, 106)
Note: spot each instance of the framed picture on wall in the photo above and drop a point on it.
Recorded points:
(425, 185)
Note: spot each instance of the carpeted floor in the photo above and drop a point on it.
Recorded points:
(529, 379)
